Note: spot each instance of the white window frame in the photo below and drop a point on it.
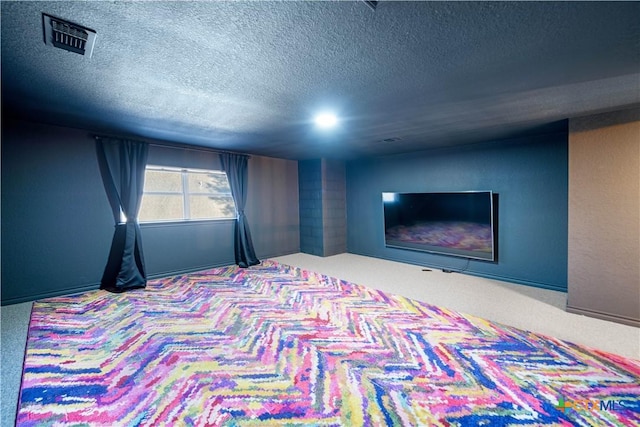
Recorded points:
(185, 193)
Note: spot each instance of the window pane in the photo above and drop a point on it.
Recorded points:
(208, 207)
(161, 207)
(164, 199)
(158, 180)
(208, 183)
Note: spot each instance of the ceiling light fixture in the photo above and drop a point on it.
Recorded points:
(326, 120)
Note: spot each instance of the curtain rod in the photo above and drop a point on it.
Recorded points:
(176, 145)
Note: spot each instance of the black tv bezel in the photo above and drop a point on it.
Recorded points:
(466, 255)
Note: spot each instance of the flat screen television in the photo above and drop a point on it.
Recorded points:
(455, 223)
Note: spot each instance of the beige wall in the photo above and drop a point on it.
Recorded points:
(272, 208)
(604, 216)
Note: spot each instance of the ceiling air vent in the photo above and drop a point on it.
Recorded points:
(67, 35)
(390, 140)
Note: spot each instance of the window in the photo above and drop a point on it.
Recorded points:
(172, 194)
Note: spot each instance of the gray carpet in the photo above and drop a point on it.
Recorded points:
(14, 320)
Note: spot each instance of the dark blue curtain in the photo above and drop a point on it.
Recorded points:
(122, 164)
(235, 166)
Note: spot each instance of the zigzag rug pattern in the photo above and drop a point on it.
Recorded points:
(275, 345)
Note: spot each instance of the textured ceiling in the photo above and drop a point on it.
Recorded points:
(249, 76)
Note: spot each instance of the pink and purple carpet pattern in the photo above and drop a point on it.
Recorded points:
(274, 345)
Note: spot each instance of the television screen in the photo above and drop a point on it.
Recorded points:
(457, 223)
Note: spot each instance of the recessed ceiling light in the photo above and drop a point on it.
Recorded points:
(326, 120)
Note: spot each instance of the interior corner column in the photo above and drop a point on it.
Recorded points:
(323, 219)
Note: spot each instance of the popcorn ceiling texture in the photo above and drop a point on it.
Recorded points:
(248, 76)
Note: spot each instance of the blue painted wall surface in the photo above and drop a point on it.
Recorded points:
(57, 225)
(530, 176)
(310, 196)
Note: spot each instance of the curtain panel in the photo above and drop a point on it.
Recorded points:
(236, 168)
(122, 166)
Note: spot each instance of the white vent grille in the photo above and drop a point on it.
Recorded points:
(67, 35)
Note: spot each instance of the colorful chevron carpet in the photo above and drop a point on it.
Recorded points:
(274, 345)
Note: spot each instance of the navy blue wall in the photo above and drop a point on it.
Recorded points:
(57, 224)
(310, 190)
(530, 176)
(323, 226)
